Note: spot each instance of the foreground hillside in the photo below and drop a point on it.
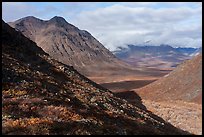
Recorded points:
(43, 96)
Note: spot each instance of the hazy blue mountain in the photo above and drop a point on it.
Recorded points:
(134, 54)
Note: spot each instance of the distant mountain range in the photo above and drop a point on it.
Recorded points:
(163, 56)
(68, 44)
(186, 50)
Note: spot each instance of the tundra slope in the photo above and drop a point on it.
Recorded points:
(184, 83)
(177, 97)
(43, 96)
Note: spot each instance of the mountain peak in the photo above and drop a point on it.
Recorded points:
(29, 18)
(58, 19)
(165, 45)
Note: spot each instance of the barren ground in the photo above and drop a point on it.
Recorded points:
(186, 116)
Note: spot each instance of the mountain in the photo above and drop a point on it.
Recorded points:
(184, 83)
(163, 56)
(177, 97)
(198, 51)
(186, 50)
(68, 44)
(43, 96)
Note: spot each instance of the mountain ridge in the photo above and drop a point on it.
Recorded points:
(163, 56)
(66, 43)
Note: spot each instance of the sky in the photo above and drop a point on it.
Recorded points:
(117, 24)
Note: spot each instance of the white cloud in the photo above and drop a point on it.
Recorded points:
(121, 24)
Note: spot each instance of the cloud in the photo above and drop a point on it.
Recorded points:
(118, 25)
